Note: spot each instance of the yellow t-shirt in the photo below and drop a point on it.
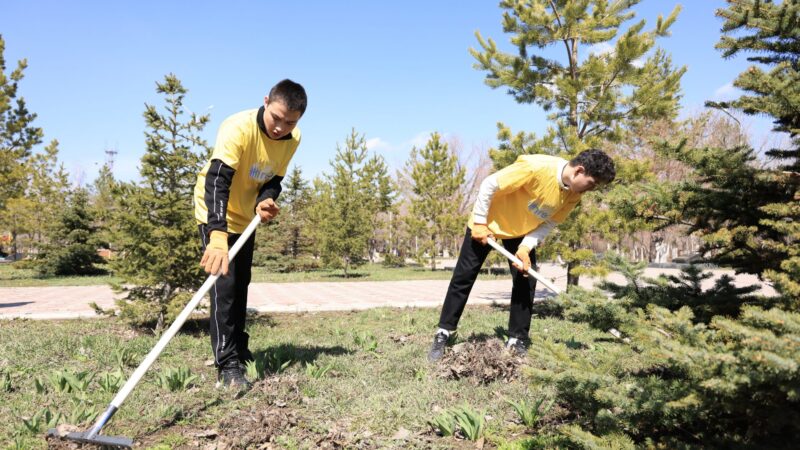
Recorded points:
(256, 159)
(528, 195)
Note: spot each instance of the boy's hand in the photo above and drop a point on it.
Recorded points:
(523, 253)
(267, 209)
(481, 233)
(215, 259)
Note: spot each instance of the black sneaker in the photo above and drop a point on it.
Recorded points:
(437, 349)
(231, 375)
(518, 348)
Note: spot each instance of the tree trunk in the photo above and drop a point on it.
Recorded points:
(572, 279)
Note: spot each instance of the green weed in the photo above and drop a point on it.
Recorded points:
(175, 379)
(444, 423)
(530, 413)
(470, 422)
(315, 371)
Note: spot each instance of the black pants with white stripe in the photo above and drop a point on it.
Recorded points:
(229, 341)
(469, 264)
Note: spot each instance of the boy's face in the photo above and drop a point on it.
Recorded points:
(581, 182)
(279, 119)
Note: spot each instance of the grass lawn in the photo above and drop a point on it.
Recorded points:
(351, 379)
(13, 277)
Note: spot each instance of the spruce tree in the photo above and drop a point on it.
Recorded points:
(343, 207)
(18, 137)
(435, 196)
(294, 203)
(103, 204)
(156, 234)
(380, 187)
(73, 240)
(592, 101)
(770, 33)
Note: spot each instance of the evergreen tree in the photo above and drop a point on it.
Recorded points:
(435, 180)
(103, 204)
(295, 202)
(73, 243)
(594, 101)
(344, 207)
(157, 236)
(18, 136)
(770, 32)
(48, 186)
(380, 187)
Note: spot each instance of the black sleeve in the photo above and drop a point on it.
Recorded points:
(218, 188)
(271, 189)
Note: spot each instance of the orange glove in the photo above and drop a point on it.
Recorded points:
(524, 255)
(267, 209)
(481, 233)
(215, 259)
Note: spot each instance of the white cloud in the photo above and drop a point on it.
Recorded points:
(377, 144)
(420, 139)
(726, 92)
(638, 63)
(601, 49)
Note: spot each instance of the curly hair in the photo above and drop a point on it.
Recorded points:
(597, 163)
(291, 94)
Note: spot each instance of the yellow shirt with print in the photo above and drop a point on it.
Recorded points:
(529, 194)
(256, 159)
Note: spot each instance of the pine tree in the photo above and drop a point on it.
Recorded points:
(103, 205)
(18, 137)
(435, 180)
(770, 32)
(594, 101)
(73, 242)
(48, 186)
(157, 237)
(343, 207)
(380, 185)
(295, 201)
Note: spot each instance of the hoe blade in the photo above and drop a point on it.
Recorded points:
(101, 440)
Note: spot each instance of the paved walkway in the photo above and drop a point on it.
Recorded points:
(69, 302)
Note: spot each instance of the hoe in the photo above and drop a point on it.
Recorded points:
(93, 436)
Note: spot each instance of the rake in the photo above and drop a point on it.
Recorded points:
(547, 283)
(93, 436)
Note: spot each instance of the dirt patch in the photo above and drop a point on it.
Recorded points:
(482, 362)
(255, 428)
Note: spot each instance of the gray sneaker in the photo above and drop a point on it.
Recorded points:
(232, 376)
(437, 349)
(518, 348)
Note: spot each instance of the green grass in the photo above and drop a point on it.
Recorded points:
(14, 277)
(11, 276)
(368, 395)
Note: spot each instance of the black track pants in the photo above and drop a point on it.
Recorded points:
(229, 341)
(470, 260)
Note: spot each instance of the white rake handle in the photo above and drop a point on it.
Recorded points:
(170, 333)
(547, 283)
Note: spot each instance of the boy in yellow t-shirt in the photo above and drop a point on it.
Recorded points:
(519, 204)
(243, 178)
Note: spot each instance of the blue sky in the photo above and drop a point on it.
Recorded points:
(395, 71)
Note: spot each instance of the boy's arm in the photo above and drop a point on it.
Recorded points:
(218, 188)
(271, 189)
(217, 191)
(535, 237)
(265, 202)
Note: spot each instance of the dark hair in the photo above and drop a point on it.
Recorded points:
(597, 163)
(291, 94)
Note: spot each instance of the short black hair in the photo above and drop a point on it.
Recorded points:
(597, 163)
(291, 94)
